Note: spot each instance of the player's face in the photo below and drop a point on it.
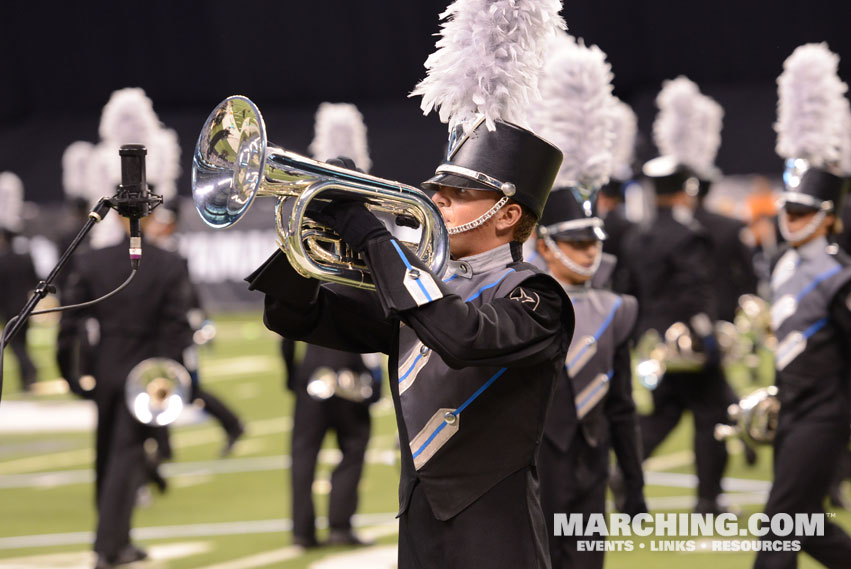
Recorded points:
(459, 206)
(584, 253)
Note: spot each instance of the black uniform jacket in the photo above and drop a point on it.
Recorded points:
(146, 319)
(667, 266)
(17, 280)
(732, 261)
(472, 361)
(811, 318)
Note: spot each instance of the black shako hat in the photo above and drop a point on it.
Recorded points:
(568, 217)
(809, 188)
(669, 176)
(510, 160)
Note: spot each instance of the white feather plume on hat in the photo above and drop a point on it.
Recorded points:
(710, 119)
(625, 128)
(11, 201)
(128, 117)
(810, 98)
(162, 166)
(845, 141)
(339, 130)
(488, 59)
(675, 129)
(576, 113)
(74, 163)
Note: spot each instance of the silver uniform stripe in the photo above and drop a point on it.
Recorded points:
(588, 398)
(784, 268)
(421, 286)
(411, 367)
(790, 348)
(783, 309)
(579, 354)
(439, 429)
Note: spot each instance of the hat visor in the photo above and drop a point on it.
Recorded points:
(795, 207)
(581, 234)
(453, 181)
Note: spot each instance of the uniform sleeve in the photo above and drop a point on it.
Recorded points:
(69, 340)
(174, 333)
(334, 316)
(840, 311)
(623, 425)
(524, 328)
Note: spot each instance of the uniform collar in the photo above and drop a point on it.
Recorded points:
(466, 267)
(812, 249)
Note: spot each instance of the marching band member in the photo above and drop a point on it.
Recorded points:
(811, 310)
(339, 131)
(668, 267)
(473, 352)
(592, 410)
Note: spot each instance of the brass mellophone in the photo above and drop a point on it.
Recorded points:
(233, 163)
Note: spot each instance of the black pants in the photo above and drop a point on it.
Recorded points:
(120, 469)
(805, 456)
(219, 411)
(312, 419)
(503, 529)
(707, 395)
(573, 482)
(26, 366)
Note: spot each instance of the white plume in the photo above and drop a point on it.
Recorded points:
(810, 98)
(710, 118)
(128, 117)
(74, 161)
(845, 140)
(103, 172)
(162, 165)
(340, 131)
(576, 112)
(11, 201)
(488, 59)
(675, 127)
(625, 128)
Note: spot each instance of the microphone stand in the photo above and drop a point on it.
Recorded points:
(46, 286)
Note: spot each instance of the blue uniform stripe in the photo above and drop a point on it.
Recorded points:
(819, 279)
(410, 369)
(486, 287)
(409, 267)
(815, 328)
(595, 390)
(457, 412)
(600, 330)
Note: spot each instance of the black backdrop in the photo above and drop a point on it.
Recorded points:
(59, 64)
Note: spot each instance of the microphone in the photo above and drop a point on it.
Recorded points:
(133, 198)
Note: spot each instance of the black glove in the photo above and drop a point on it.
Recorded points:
(352, 221)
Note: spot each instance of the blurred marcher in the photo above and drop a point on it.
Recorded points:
(333, 392)
(811, 312)
(17, 273)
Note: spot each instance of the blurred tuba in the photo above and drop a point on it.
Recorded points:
(157, 390)
(233, 163)
(755, 418)
(325, 383)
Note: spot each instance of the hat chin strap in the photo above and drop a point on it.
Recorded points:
(481, 220)
(570, 263)
(803, 233)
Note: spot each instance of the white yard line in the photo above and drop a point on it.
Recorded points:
(183, 531)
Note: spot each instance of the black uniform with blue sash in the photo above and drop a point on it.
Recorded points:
(595, 389)
(473, 359)
(811, 317)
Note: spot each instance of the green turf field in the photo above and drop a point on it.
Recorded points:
(233, 513)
